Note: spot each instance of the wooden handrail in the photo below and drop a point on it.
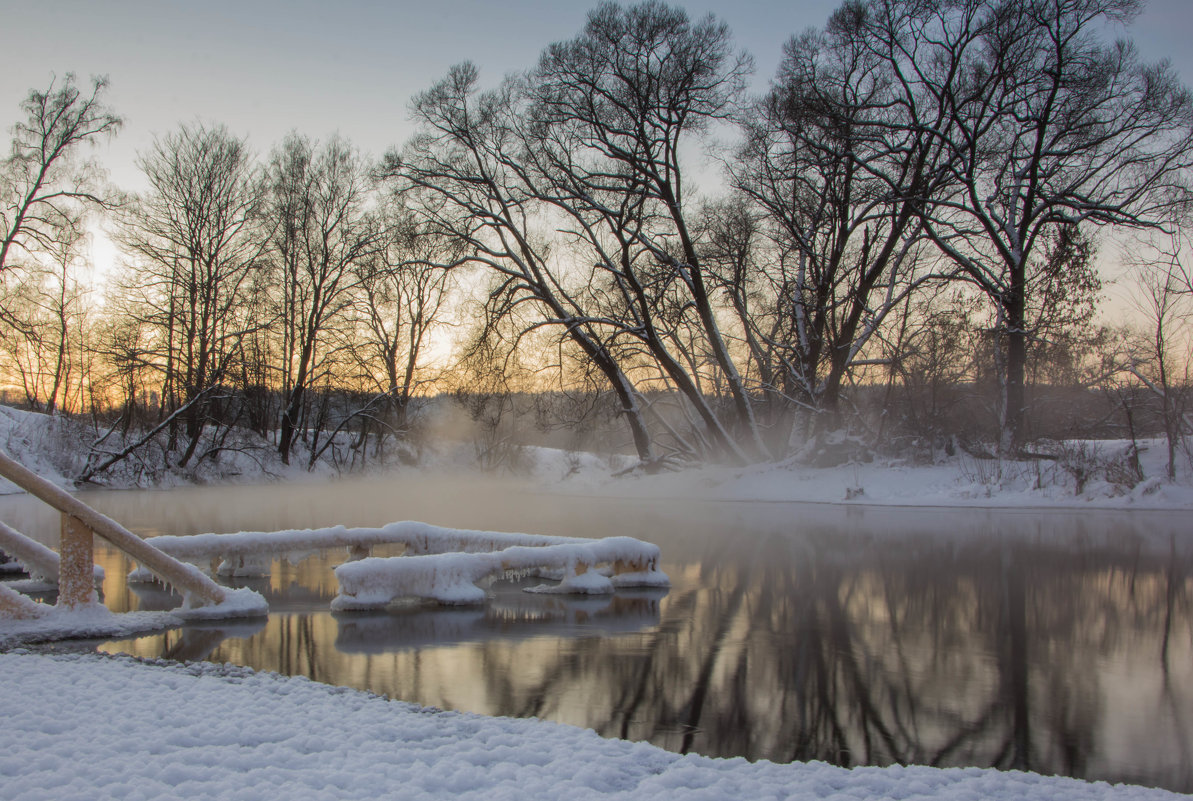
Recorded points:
(15, 606)
(39, 561)
(188, 579)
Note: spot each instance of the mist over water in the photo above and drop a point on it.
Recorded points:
(1052, 641)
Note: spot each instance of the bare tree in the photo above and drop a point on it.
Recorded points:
(42, 331)
(196, 236)
(1046, 126)
(43, 180)
(614, 111)
(402, 297)
(1162, 358)
(834, 176)
(322, 232)
(467, 172)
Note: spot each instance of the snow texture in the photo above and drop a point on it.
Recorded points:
(450, 578)
(442, 564)
(248, 553)
(86, 726)
(96, 621)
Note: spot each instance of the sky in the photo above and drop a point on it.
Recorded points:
(266, 67)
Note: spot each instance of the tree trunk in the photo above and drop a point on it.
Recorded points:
(1014, 395)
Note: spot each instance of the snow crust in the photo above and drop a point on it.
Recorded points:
(451, 578)
(86, 726)
(96, 620)
(248, 553)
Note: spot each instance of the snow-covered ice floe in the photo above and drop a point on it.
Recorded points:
(90, 726)
(441, 564)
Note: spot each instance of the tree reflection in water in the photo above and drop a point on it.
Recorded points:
(1042, 643)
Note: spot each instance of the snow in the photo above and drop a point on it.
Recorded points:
(248, 553)
(450, 578)
(37, 441)
(442, 564)
(90, 726)
(95, 620)
(958, 481)
(55, 448)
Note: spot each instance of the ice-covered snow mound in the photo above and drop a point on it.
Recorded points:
(86, 726)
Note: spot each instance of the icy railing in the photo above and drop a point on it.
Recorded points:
(41, 563)
(76, 563)
(249, 553)
(441, 564)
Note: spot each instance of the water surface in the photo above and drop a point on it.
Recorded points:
(1052, 641)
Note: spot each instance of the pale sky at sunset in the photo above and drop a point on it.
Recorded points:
(264, 68)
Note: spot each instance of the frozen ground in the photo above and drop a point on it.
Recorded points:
(88, 726)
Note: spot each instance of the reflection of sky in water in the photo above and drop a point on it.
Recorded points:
(1052, 641)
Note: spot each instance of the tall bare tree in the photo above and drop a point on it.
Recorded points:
(1046, 124)
(623, 103)
(323, 232)
(834, 176)
(44, 179)
(402, 296)
(196, 236)
(467, 168)
(42, 332)
(1161, 360)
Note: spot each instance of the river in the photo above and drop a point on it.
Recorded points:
(1060, 642)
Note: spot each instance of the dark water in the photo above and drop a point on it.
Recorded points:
(1049, 641)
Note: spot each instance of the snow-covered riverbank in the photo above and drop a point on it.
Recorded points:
(87, 726)
(51, 448)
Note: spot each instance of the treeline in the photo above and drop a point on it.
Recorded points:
(905, 223)
(293, 296)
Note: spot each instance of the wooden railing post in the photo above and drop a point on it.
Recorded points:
(188, 579)
(76, 551)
